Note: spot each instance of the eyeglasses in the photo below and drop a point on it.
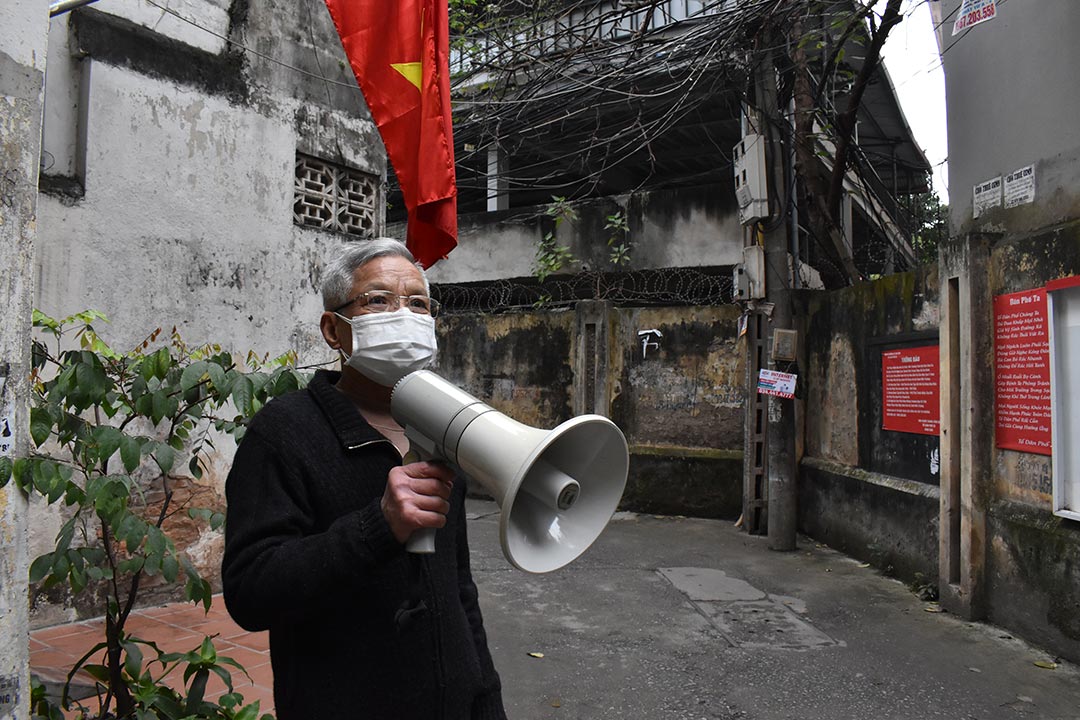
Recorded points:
(377, 301)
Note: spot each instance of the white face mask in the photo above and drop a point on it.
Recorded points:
(388, 346)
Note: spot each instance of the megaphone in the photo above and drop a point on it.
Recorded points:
(557, 489)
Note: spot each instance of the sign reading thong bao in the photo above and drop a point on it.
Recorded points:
(910, 393)
(1022, 372)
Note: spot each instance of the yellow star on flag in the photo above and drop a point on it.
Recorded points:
(412, 71)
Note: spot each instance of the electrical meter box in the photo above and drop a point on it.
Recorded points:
(751, 189)
(748, 278)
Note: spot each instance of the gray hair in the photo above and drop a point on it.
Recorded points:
(338, 275)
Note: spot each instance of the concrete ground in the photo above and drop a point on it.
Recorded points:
(682, 619)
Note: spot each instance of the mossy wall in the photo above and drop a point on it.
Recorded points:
(679, 401)
(846, 333)
(1033, 556)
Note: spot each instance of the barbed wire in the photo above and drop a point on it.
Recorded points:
(667, 287)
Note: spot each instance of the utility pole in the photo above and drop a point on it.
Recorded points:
(782, 473)
(23, 46)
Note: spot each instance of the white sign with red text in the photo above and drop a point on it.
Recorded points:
(771, 382)
(973, 12)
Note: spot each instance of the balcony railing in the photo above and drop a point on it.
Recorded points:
(597, 24)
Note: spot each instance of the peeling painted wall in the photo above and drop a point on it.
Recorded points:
(1033, 558)
(690, 227)
(684, 386)
(170, 195)
(519, 363)
(679, 403)
(867, 491)
(846, 332)
(23, 43)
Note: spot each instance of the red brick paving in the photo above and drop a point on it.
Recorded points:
(174, 628)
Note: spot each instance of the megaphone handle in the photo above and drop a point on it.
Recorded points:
(422, 540)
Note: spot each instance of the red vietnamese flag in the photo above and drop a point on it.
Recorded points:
(399, 51)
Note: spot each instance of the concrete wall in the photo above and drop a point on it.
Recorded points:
(1012, 98)
(690, 227)
(1011, 94)
(868, 491)
(23, 43)
(1033, 557)
(169, 182)
(679, 404)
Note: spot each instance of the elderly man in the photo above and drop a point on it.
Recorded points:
(320, 505)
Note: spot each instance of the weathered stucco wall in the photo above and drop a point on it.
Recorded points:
(868, 491)
(679, 405)
(519, 363)
(169, 200)
(683, 387)
(678, 396)
(1033, 559)
(846, 333)
(668, 229)
(23, 41)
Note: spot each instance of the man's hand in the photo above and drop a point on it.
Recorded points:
(417, 496)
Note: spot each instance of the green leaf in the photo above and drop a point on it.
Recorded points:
(242, 392)
(78, 578)
(170, 568)
(144, 405)
(67, 532)
(207, 652)
(217, 378)
(133, 659)
(162, 362)
(164, 456)
(59, 479)
(131, 565)
(6, 466)
(40, 319)
(159, 406)
(200, 514)
(41, 424)
(41, 567)
(197, 691)
(193, 374)
(98, 672)
(131, 530)
(130, 452)
(287, 381)
(258, 382)
(108, 440)
(193, 467)
(22, 471)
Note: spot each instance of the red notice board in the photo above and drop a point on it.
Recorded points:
(910, 394)
(1022, 372)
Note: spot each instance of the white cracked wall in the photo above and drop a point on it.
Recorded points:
(187, 213)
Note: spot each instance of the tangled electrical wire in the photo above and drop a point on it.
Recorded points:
(587, 98)
(596, 96)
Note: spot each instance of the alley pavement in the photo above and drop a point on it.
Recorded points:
(669, 618)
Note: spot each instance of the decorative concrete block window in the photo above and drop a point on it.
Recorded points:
(1063, 316)
(334, 197)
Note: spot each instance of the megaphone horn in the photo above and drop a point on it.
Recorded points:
(557, 489)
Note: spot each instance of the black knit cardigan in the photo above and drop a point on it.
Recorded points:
(359, 628)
